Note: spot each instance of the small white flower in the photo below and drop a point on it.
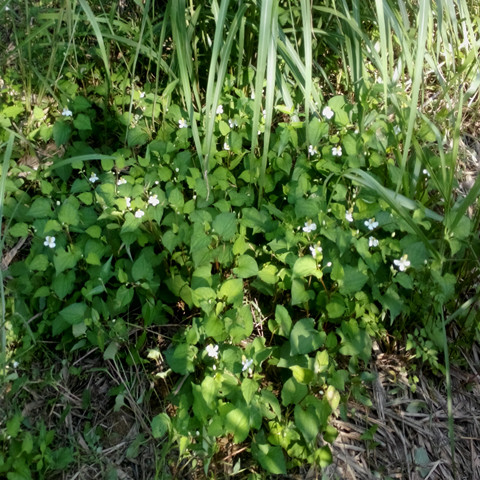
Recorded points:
(372, 242)
(212, 351)
(93, 177)
(264, 113)
(15, 364)
(142, 94)
(327, 112)
(309, 227)
(226, 146)
(219, 109)
(329, 264)
(49, 241)
(396, 129)
(121, 181)
(182, 123)
(312, 150)
(403, 263)
(232, 123)
(153, 200)
(128, 202)
(66, 112)
(139, 213)
(337, 151)
(371, 224)
(246, 364)
(349, 216)
(315, 250)
(426, 172)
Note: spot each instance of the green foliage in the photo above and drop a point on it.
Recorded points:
(272, 260)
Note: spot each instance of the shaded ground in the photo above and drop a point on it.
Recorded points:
(403, 435)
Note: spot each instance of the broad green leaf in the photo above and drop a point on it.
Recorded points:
(236, 423)
(270, 457)
(64, 260)
(249, 388)
(18, 230)
(307, 422)
(82, 122)
(74, 313)
(299, 294)
(160, 425)
(283, 321)
(302, 375)
(293, 392)
(225, 225)
(247, 267)
(39, 263)
(232, 290)
(111, 351)
(180, 358)
(353, 280)
(68, 214)
(40, 208)
(61, 132)
(305, 266)
(268, 274)
(355, 340)
(304, 338)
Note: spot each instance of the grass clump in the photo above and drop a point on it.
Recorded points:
(211, 235)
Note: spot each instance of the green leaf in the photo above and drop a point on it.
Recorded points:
(39, 263)
(94, 231)
(236, 423)
(111, 351)
(355, 340)
(270, 458)
(232, 290)
(13, 425)
(249, 388)
(82, 122)
(353, 280)
(64, 260)
(181, 358)
(18, 230)
(302, 375)
(161, 424)
(307, 422)
(247, 267)
(40, 208)
(74, 313)
(68, 214)
(282, 322)
(136, 137)
(142, 268)
(299, 294)
(304, 338)
(61, 133)
(305, 266)
(225, 225)
(268, 274)
(293, 392)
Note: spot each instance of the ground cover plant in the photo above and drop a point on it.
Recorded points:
(214, 213)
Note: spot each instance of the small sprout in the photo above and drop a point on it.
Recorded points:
(49, 241)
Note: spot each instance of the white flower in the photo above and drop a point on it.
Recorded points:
(372, 242)
(66, 112)
(371, 224)
(93, 177)
(219, 109)
(349, 216)
(246, 364)
(142, 94)
(309, 227)
(153, 200)
(15, 364)
(327, 112)
(139, 213)
(329, 264)
(226, 146)
(403, 263)
(232, 123)
(315, 250)
(425, 172)
(121, 181)
(396, 129)
(212, 351)
(337, 151)
(49, 242)
(128, 202)
(312, 150)
(182, 123)
(264, 113)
